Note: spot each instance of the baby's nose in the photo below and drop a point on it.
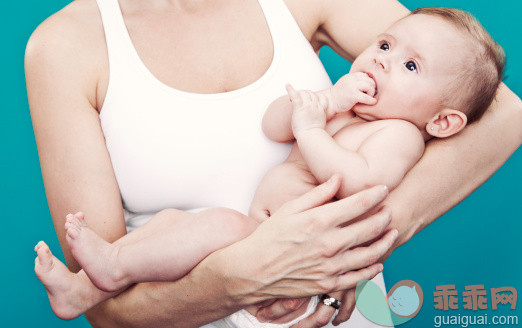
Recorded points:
(380, 63)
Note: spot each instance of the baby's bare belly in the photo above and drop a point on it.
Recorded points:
(281, 184)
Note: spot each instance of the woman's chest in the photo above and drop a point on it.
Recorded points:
(213, 48)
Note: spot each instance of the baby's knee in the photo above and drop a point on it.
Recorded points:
(230, 223)
(166, 218)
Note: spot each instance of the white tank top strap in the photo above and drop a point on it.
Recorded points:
(282, 24)
(122, 54)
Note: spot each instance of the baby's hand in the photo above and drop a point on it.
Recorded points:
(351, 89)
(309, 110)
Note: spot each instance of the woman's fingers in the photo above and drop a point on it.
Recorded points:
(279, 309)
(322, 315)
(362, 231)
(350, 279)
(347, 209)
(315, 197)
(364, 256)
(347, 307)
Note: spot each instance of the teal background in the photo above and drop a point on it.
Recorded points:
(477, 242)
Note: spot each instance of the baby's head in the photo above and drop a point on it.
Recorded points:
(437, 68)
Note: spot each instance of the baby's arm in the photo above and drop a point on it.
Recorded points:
(383, 158)
(350, 89)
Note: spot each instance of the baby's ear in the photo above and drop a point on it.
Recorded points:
(446, 123)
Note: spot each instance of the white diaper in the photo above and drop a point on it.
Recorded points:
(243, 319)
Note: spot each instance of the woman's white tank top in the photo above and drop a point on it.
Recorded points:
(176, 149)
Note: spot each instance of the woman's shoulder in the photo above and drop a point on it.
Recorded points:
(76, 25)
(307, 14)
(71, 40)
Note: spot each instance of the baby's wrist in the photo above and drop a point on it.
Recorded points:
(331, 109)
(304, 133)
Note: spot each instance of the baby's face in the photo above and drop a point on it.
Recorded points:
(412, 65)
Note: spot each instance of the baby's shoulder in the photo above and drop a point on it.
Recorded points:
(401, 133)
(400, 129)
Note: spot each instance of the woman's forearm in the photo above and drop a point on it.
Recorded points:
(196, 299)
(452, 169)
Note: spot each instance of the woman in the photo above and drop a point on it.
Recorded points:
(188, 56)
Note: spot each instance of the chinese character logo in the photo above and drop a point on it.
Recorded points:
(474, 297)
(403, 302)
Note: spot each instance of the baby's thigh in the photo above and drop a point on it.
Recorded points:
(281, 184)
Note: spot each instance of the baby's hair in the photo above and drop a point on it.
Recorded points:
(483, 72)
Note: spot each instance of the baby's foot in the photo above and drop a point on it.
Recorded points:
(96, 256)
(60, 283)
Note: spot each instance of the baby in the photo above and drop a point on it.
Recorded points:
(427, 76)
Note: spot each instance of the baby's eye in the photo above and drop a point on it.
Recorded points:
(385, 46)
(410, 66)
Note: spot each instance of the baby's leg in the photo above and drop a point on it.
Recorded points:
(164, 256)
(71, 294)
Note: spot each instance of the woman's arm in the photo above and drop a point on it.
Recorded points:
(61, 81)
(75, 164)
(452, 169)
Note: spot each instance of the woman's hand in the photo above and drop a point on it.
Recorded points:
(283, 308)
(324, 313)
(302, 250)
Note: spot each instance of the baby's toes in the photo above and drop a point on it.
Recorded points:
(44, 260)
(72, 230)
(80, 218)
(40, 244)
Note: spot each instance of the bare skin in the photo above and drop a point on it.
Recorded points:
(67, 76)
(346, 129)
(71, 294)
(167, 255)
